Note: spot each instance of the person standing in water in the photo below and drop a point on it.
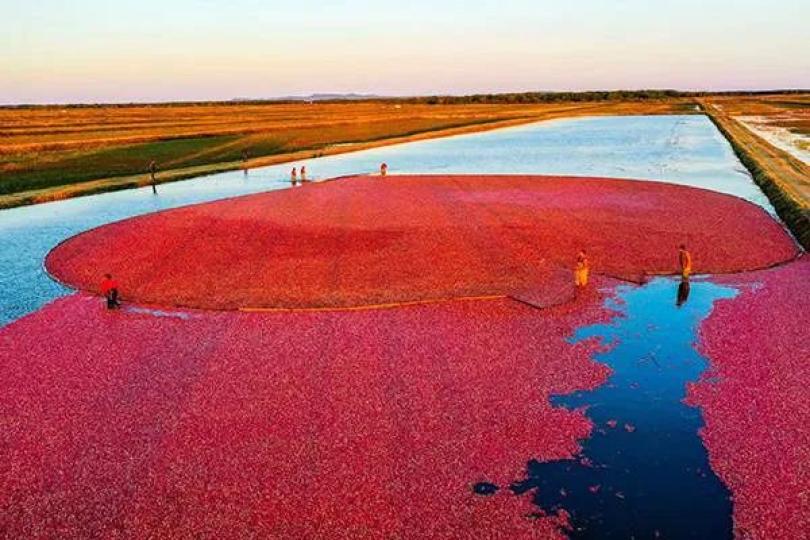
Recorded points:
(294, 176)
(109, 288)
(685, 261)
(582, 270)
(303, 174)
(152, 172)
(245, 157)
(383, 169)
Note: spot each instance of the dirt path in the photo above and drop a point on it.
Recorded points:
(783, 178)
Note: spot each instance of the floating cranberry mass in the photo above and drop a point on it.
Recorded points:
(361, 241)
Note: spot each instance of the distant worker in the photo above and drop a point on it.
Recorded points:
(582, 270)
(109, 288)
(383, 169)
(294, 176)
(245, 157)
(685, 261)
(152, 172)
(303, 174)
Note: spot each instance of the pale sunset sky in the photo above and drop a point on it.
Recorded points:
(60, 51)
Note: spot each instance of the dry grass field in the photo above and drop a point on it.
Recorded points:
(44, 149)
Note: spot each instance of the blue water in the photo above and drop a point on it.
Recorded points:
(649, 476)
(681, 149)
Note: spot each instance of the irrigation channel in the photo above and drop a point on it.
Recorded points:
(644, 472)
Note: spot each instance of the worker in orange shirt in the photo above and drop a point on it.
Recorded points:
(685, 261)
(109, 288)
(582, 270)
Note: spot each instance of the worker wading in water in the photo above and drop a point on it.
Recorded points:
(582, 270)
(152, 172)
(384, 169)
(109, 288)
(294, 176)
(685, 262)
(245, 158)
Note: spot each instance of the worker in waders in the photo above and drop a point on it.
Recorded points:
(384, 169)
(152, 172)
(109, 288)
(294, 176)
(582, 270)
(685, 261)
(245, 158)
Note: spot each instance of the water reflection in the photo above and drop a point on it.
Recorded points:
(644, 472)
(683, 292)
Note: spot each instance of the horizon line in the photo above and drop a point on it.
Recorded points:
(326, 97)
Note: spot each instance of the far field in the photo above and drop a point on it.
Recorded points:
(782, 120)
(45, 148)
(789, 111)
(56, 152)
(770, 135)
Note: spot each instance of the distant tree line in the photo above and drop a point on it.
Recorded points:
(500, 98)
(550, 97)
(601, 95)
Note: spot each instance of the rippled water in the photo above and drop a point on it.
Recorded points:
(681, 149)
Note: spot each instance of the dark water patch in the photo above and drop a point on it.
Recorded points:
(485, 488)
(644, 472)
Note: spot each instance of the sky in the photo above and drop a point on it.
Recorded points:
(92, 51)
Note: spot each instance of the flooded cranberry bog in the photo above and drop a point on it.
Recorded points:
(407, 357)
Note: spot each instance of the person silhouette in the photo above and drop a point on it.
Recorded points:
(245, 158)
(685, 261)
(152, 172)
(109, 288)
(582, 270)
